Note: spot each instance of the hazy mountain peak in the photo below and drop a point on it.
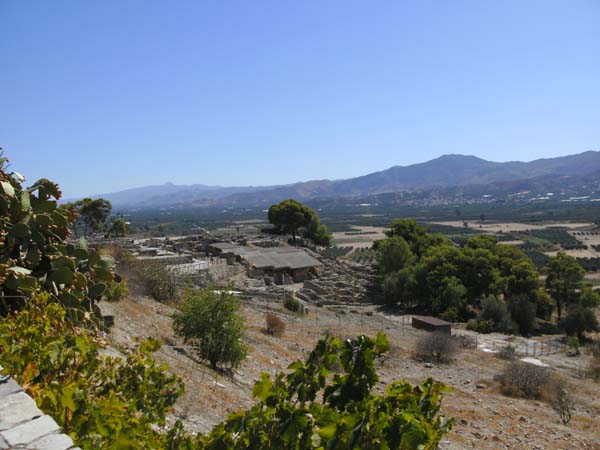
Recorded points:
(445, 171)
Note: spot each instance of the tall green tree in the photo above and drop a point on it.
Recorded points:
(579, 320)
(118, 227)
(317, 232)
(92, 214)
(292, 217)
(289, 216)
(211, 321)
(393, 254)
(563, 281)
(417, 236)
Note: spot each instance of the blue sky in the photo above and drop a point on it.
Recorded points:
(106, 95)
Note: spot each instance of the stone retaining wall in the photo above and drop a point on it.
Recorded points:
(23, 425)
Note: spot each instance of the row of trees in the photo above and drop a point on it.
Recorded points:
(429, 271)
(292, 217)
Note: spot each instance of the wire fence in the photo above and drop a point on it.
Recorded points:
(521, 346)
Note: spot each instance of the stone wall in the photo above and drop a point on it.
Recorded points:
(23, 425)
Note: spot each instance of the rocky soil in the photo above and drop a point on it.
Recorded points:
(485, 419)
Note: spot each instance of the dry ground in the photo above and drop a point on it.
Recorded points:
(507, 227)
(341, 239)
(485, 419)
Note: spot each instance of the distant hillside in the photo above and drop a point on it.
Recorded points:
(447, 171)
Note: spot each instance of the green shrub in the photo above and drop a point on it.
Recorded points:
(291, 304)
(480, 326)
(523, 313)
(211, 321)
(579, 320)
(310, 407)
(573, 346)
(100, 401)
(35, 254)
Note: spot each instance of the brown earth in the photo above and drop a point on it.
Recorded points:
(485, 419)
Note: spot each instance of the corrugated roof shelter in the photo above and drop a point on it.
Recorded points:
(280, 259)
(431, 324)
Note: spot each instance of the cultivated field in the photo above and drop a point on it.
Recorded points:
(358, 237)
(508, 227)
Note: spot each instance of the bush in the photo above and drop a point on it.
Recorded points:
(480, 326)
(291, 304)
(161, 283)
(451, 314)
(573, 346)
(594, 369)
(579, 320)
(521, 379)
(211, 321)
(466, 341)
(307, 407)
(507, 353)
(495, 311)
(523, 313)
(436, 346)
(557, 394)
(275, 326)
(36, 255)
(99, 400)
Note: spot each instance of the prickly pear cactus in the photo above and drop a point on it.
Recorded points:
(35, 254)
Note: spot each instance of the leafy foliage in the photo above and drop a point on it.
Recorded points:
(210, 320)
(311, 407)
(101, 401)
(93, 214)
(317, 232)
(564, 278)
(579, 320)
(289, 216)
(35, 255)
(393, 254)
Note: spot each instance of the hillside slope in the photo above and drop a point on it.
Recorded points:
(443, 172)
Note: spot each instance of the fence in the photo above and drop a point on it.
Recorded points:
(522, 346)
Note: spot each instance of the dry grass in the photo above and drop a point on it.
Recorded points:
(275, 326)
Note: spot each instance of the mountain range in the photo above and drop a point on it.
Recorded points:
(468, 175)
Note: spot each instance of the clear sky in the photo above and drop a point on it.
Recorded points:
(106, 95)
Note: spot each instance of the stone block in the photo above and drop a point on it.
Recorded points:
(52, 442)
(17, 408)
(9, 387)
(29, 431)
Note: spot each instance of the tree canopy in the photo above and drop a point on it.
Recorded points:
(291, 216)
(563, 281)
(423, 269)
(93, 214)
